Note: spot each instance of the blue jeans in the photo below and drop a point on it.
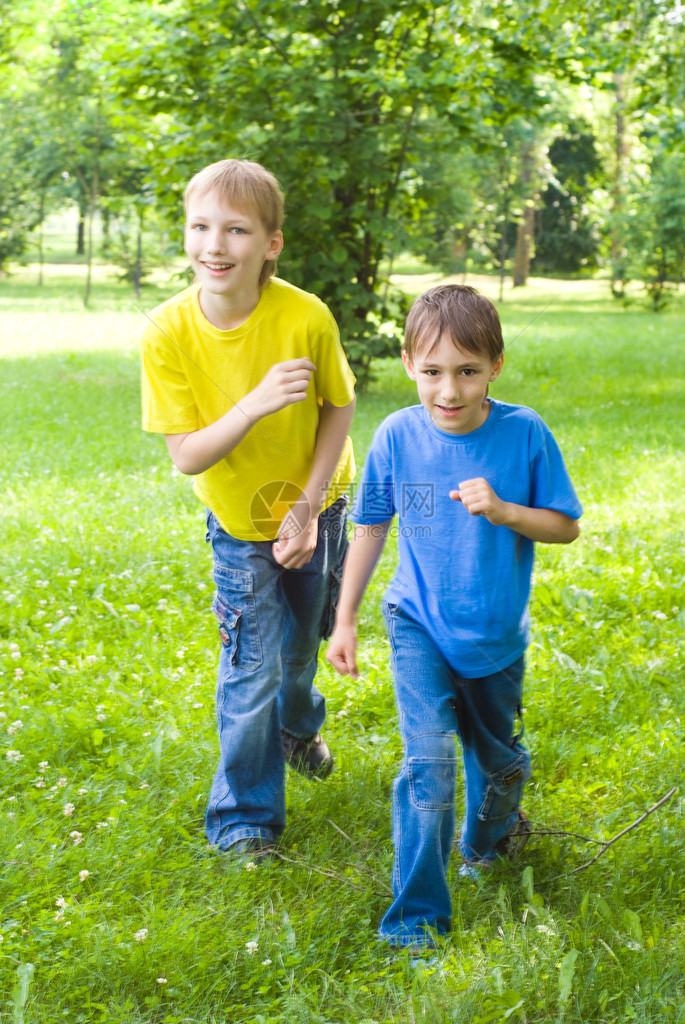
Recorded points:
(271, 622)
(436, 706)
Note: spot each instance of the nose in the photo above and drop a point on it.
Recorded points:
(214, 243)
(449, 390)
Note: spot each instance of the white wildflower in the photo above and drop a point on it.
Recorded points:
(141, 935)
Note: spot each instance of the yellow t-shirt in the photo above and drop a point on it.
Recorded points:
(193, 373)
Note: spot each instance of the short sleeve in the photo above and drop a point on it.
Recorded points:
(333, 378)
(551, 485)
(168, 403)
(375, 498)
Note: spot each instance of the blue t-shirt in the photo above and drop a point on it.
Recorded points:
(464, 580)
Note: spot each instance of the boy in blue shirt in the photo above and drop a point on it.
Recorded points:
(474, 482)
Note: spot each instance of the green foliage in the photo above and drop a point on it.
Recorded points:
(114, 910)
(567, 239)
(656, 228)
(392, 125)
(358, 108)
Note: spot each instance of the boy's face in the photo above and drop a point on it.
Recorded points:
(452, 384)
(227, 247)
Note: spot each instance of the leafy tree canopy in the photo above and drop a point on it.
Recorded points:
(350, 104)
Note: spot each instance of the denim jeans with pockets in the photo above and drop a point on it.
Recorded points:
(271, 622)
(436, 706)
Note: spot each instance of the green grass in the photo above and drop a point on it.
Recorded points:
(108, 654)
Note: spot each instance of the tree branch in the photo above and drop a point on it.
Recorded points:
(625, 831)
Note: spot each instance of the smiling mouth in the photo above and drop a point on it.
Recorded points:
(219, 266)
(448, 410)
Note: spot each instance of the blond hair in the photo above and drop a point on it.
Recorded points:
(248, 187)
(458, 311)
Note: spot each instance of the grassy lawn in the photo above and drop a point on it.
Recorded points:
(112, 907)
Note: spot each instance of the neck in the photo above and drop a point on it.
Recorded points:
(228, 312)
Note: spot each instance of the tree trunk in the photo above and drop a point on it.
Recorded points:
(81, 231)
(138, 270)
(41, 254)
(622, 154)
(526, 227)
(92, 209)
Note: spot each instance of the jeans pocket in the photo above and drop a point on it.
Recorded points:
(505, 787)
(238, 627)
(229, 619)
(432, 782)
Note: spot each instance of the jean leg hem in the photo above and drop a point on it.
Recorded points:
(422, 937)
(234, 835)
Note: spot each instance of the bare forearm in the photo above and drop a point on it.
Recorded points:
(544, 525)
(199, 450)
(362, 556)
(284, 384)
(334, 426)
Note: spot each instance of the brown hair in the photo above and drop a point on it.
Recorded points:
(468, 318)
(247, 186)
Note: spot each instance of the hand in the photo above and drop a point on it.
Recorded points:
(297, 537)
(342, 651)
(282, 385)
(479, 499)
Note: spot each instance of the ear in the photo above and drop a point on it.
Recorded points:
(496, 367)
(275, 246)
(408, 365)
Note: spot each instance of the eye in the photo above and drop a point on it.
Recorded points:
(431, 373)
(238, 231)
(467, 372)
(198, 227)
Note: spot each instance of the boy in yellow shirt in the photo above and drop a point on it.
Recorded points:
(245, 376)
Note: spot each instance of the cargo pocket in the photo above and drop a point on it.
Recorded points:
(505, 787)
(234, 607)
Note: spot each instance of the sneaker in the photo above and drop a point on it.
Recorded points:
(251, 849)
(475, 870)
(310, 756)
(512, 843)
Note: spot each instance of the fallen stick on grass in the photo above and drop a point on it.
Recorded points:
(610, 842)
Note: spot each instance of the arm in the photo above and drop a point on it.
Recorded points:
(297, 541)
(540, 524)
(283, 385)
(362, 556)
